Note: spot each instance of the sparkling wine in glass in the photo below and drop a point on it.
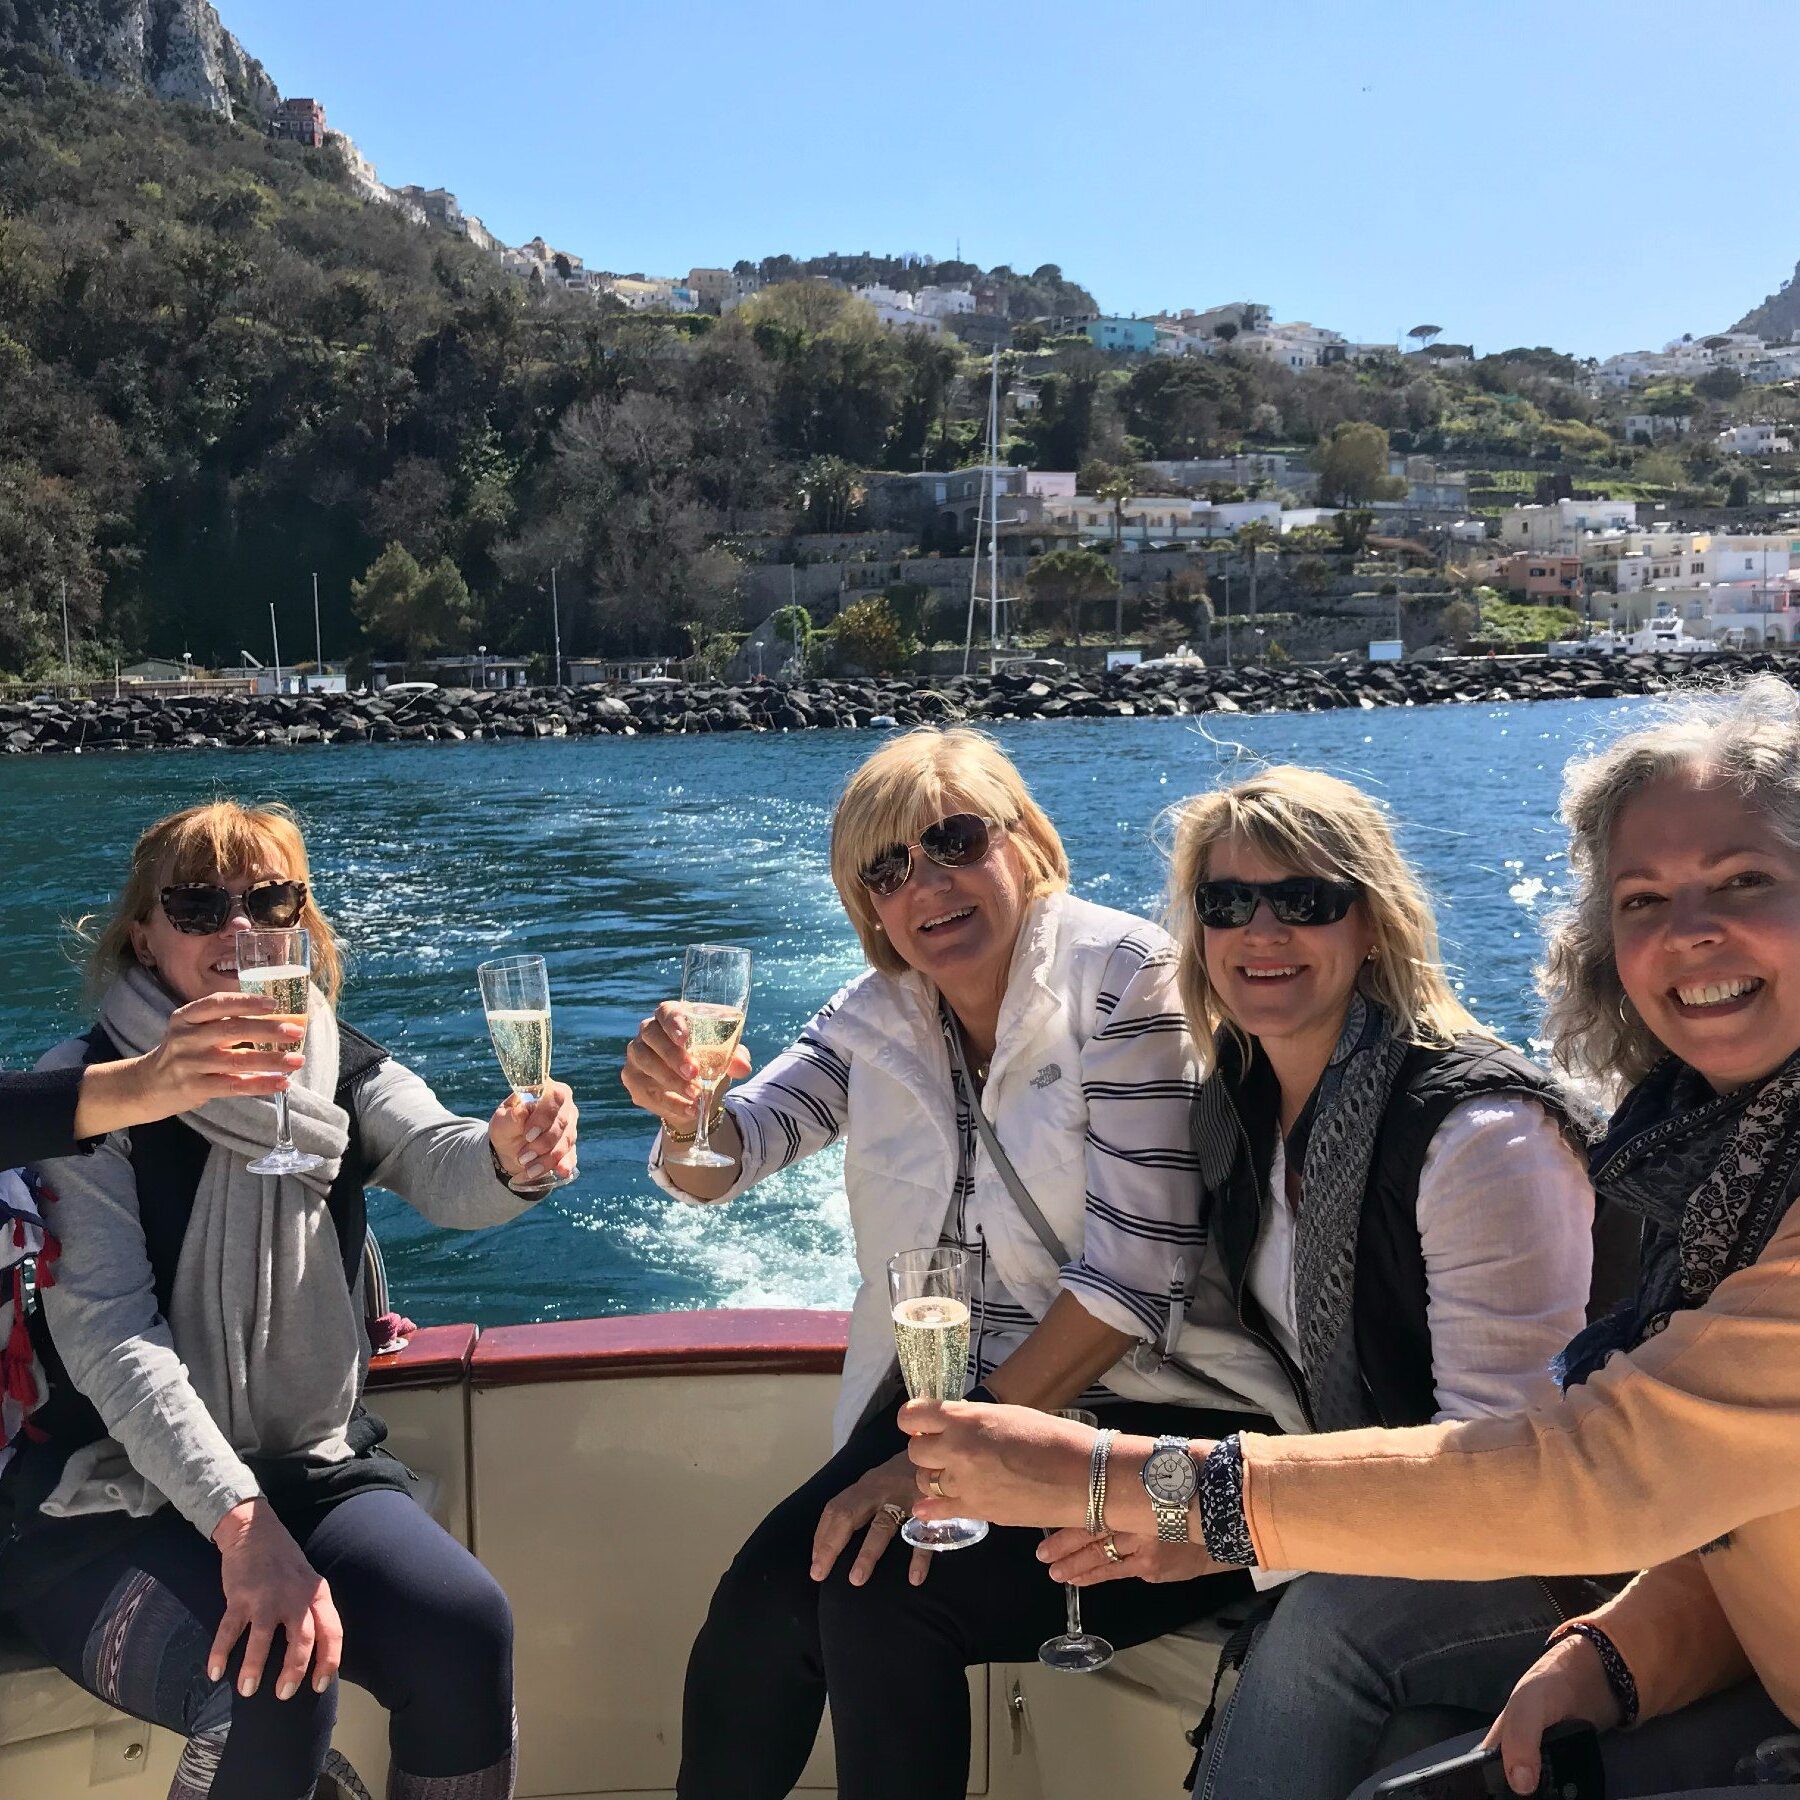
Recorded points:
(515, 995)
(930, 1291)
(1075, 1652)
(715, 994)
(278, 965)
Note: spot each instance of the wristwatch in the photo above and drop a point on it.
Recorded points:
(1171, 1481)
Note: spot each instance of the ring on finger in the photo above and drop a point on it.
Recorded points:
(894, 1511)
(935, 1485)
(1109, 1549)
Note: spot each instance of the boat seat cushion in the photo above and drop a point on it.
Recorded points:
(37, 1701)
(1178, 1668)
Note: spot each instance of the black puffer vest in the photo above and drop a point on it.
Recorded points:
(1391, 1323)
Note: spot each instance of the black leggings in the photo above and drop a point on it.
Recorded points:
(426, 1630)
(891, 1656)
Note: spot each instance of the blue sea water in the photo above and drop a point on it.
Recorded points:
(607, 856)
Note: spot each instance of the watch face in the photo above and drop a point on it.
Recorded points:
(1170, 1476)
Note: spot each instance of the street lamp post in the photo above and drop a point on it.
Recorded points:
(556, 624)
(481, 666)
(68, 660)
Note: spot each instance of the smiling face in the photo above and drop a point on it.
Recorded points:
(1705, 902)
(1282, 983)
(958, 926)
(191, 967)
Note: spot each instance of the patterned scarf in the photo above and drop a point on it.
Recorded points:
(1711, 1175)
(1333, 1144)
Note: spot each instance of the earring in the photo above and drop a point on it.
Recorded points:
(1371, 957)
(1624, 1017)
(880, 929)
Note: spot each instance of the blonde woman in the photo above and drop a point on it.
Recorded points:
(207, 1531)
(1401, 1205)
(1065, 1017)
(1672, 1446)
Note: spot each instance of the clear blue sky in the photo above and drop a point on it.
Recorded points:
(1598, 175)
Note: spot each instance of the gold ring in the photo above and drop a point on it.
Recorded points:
(1110, 1549)
(936, 1486)
(894, 1512)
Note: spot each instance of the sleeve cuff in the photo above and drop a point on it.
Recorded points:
(1618, 1672)
(1223, 1526)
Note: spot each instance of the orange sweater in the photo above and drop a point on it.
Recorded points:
(1693, 1436)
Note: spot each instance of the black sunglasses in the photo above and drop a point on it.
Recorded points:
(952, 843)
(199, 908)
(1299, 900)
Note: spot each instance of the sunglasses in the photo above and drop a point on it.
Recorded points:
(200, 908)
(1299, 900)
(952, 843)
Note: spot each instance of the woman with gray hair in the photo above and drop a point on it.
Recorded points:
(1672, 1448)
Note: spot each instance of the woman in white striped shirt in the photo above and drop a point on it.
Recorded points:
(1066, 1019)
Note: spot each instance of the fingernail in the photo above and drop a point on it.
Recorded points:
(1523, 1780)
(215, 1671)
(691, 1071)
(320, 1685)
(287, 1690)
(530, 1156)
(247, 1688)
(536, 1132)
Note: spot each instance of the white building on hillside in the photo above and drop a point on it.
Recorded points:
(1295, 346)
(1562, 524)
(899, 311)
(1755, 440)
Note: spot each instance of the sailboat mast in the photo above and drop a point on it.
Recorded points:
(994, 503)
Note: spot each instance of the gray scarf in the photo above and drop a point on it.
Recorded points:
(260, 1313)
(1335, 1146)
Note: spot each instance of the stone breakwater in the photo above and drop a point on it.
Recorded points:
(457, 715)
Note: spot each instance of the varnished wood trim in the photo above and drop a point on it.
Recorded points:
(673, 1343)
(435, 1356)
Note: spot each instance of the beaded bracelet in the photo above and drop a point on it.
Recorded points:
(687, 1137)
(1096, 1510)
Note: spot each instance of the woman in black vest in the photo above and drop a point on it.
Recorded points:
(1403, 1216)
(204, 1528)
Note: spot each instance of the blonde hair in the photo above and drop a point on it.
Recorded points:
(209, 843)
(1745, 738)
(911, 782)
(1315, 824)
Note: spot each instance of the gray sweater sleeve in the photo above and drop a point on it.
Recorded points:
(116, 1344)
(435, 1160)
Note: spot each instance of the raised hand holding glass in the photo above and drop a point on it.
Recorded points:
(278, 965)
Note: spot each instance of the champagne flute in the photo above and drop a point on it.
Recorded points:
(278, 964)
(930, 1290)
(515, 995)
(1075, 1652)
(715, 993)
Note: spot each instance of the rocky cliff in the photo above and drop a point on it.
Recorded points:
(1778, 317)
(174, 49)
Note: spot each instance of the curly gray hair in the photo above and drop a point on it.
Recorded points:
(1745, 737)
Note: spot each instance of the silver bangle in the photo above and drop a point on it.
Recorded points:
(1096, 1510)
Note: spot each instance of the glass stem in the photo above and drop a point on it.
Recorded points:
(1072, 1609)
(702, 1124)
(284, 1139)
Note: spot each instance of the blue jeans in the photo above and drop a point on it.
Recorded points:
(1678, 1754)
(1343, 1654)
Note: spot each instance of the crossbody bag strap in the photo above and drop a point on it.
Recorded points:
(1009, 1176)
